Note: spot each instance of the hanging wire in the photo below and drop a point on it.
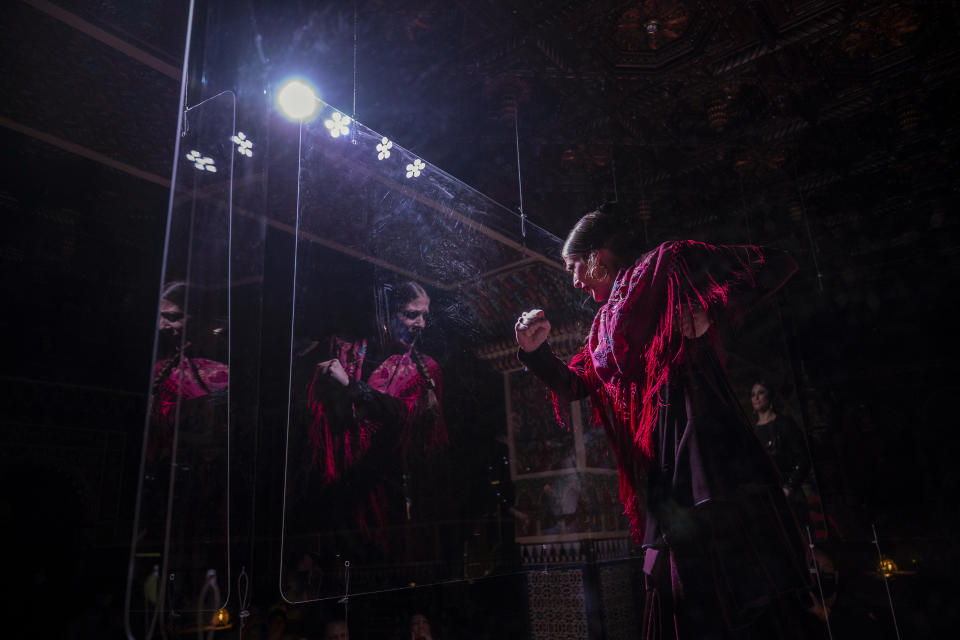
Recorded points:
(886, 584)
(229, 409)
(345, 600)
(209, 586)
(243, 591)
(184, 76)
(806, 224)
(293, 322)
(643, 200)
(258, 38)
(175, 438)
(613, 172)
(356, 22)
(816, 567)
(746, 216)
(802, 387)
(516, 133)
(653, 612)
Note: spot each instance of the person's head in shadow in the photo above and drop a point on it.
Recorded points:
(336, 630)
(277, 624)
(419, 626)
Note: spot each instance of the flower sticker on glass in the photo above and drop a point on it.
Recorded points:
(201, 162)
(244, 146)
(338, 124)
(383, 149)
(413, 170)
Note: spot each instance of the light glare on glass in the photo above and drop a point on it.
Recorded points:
(297, 100)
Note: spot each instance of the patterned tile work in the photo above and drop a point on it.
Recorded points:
(621, 606)
(558, 609)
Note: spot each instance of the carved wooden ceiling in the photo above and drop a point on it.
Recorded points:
(703, 116)
(827, 127)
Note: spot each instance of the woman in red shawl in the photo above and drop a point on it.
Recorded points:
(377, 436)
(198, 386)
(184, 492)
(722, 550)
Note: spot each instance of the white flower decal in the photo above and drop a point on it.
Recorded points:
(201, 162)
(338, 124)
(413, 170)
(244, 146)
(383, 149)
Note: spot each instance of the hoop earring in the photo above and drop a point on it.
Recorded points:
(598, 272)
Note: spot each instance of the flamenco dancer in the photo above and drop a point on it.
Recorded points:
(723, 554)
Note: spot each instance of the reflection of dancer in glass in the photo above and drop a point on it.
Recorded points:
(721, 544)
(184, 495)
(379, 434)
(199, 384)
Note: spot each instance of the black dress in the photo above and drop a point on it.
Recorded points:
(785, 442)
(722, 547)
(721, 543)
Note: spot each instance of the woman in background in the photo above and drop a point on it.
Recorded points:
(783, 440)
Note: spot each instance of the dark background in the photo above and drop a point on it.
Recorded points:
(827, 128)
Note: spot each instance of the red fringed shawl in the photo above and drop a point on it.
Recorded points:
(412, 378)
(329, 444)
(180, 379)
(411, 384)
(641, 330)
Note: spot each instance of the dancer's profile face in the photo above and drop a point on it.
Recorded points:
(336, 631)
(412, 319)
(598, 288)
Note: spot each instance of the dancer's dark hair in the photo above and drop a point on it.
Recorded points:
(605, 228)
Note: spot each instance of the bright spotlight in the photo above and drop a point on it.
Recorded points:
(297, 100)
